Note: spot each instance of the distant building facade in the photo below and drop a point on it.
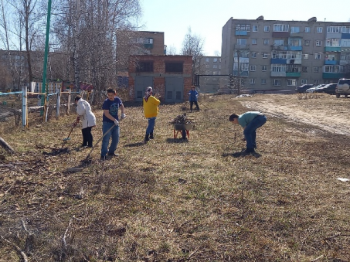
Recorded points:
(210, 68)
(274, 54)
(170, 77)
(131, 43)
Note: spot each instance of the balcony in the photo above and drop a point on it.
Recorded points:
(345, 36)
(294, 61)
(280, 34)
(332, 75)
(240, 47)
(332, 49)
(279, 47)
(242, 73)
(246, 33)
(279, 61)
(293, 74)
(344, 62)
(331, 62)
(295, 48)
(278, 74)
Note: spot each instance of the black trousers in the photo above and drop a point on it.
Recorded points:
(191, 105)
(87, 136)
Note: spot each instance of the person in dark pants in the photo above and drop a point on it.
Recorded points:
(250, 121)
(110, 125)
(87, 118)
(193, 97)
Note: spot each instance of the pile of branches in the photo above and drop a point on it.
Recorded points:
(181, 119)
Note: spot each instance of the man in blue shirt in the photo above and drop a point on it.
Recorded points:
(193, 97)
(111, 121)
(250, 121)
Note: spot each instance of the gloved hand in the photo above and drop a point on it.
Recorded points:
(123, 116)
(116, 122)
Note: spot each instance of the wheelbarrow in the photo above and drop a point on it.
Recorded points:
(183, 128)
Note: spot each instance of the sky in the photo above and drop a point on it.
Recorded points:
(207, 17)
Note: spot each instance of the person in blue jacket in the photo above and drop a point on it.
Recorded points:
(193, 97)
(250, 121)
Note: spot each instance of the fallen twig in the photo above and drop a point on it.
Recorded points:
(24, 256)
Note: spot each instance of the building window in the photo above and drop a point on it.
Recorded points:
(333, 42)
(266, 28)
(215, 66)
(173, 67)
(318, 43)
(243, 28)
(254, 41)
(316, 69)
(241, 41)
(307, 29)
(215, 60)
(253, 68)
(317, 56)
(307, 42)
(265, 55)
(264, 68)
(215, 73)
(295, 29)
(266, 41)
(316, 82)
(144, 66)
(305, 56)
(278, 68)
(263, 81)
(252, 81)
(278, 42)
(281, 28)
(304, 69)
(291, 82)
(253, 54)
(207, 60)
(319, 29)
(255, 28)
(277, 82)
(303, 81)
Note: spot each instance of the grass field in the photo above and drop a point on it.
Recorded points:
(171, 200)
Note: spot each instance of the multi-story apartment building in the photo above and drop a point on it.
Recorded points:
(280, 55)
(209, 67)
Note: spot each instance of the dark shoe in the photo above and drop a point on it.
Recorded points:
(103, 158)
(146, 139)
(151, 135)
(112, 154)
(248, 151)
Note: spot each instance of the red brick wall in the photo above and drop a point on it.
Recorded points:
(159, 73)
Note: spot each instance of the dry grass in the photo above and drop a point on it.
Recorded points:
(177, 201)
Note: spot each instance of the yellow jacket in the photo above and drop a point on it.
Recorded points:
(150, 107)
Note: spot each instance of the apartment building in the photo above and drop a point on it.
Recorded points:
(280, 55)
(209, 68)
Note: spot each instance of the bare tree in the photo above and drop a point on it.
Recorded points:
(193, 46)
(171, 50)
(87, 31)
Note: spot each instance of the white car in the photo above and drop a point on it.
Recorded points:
(314, 89)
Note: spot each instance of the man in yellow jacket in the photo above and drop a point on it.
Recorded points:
(150, 108)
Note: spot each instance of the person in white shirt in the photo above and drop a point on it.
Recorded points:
(87, 118)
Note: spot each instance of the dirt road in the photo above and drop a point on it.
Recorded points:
(323, 111)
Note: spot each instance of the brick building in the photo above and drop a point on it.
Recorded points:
(170, 76)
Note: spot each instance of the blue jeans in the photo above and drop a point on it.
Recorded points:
(115, 138)
(151, 124)
(250, 131)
